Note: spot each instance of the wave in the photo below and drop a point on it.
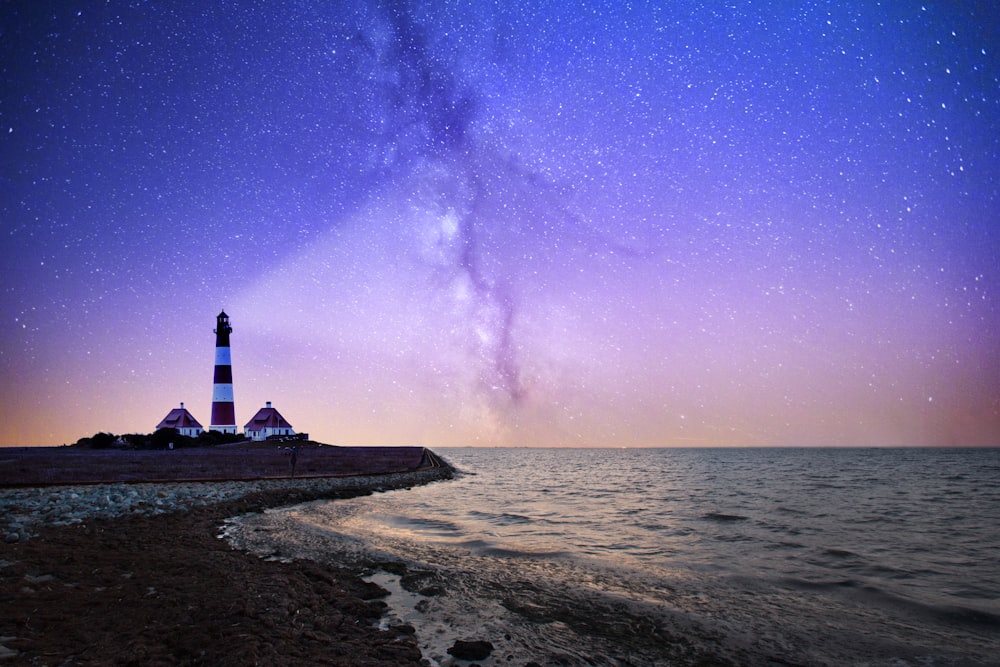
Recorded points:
(840, 553)
(424, 525)
(952, 615)
(724, 518)
(502, 519)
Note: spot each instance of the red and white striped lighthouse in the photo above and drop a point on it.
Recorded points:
(223, 407)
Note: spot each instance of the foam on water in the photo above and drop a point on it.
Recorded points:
(611, 556)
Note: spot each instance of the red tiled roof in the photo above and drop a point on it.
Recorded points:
(179, 418)
(267, 418)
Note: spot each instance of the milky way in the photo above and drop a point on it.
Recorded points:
(460, 223)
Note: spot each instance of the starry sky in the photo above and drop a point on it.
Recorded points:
(488, 223)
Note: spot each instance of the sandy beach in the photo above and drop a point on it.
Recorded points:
(160, 588)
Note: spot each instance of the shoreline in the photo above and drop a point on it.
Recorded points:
(157, 585)
(24, 508)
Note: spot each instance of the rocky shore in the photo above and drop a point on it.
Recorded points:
(23, 510)
(137, 574)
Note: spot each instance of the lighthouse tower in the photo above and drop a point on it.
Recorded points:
(223, 408)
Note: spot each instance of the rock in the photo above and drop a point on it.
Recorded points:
(471, 650)
(372, 591)
(405, 629)
(12, 537)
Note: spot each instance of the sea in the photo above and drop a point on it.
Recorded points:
(764, 556)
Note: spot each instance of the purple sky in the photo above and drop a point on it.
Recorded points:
(466, 223)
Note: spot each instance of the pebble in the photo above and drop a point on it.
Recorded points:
(22, 509)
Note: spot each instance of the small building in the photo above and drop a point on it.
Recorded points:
(183, 421)
(266, 423)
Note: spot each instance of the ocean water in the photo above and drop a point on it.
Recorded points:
(667, 556)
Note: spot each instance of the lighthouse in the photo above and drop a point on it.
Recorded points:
(223, 408)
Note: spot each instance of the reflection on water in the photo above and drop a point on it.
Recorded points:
(610, 555)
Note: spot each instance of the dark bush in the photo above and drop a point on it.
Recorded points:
(212, 438)
(97, 441)
(163, 438)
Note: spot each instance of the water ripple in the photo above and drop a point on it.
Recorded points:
(848, 552)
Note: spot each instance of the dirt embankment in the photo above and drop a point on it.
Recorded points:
(34, 466)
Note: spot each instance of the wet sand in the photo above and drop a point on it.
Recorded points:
(166, 590)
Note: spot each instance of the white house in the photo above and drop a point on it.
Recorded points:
(183, 421)
(267, 422)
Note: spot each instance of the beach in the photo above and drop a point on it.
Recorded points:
(667, 557)
(137, 574)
